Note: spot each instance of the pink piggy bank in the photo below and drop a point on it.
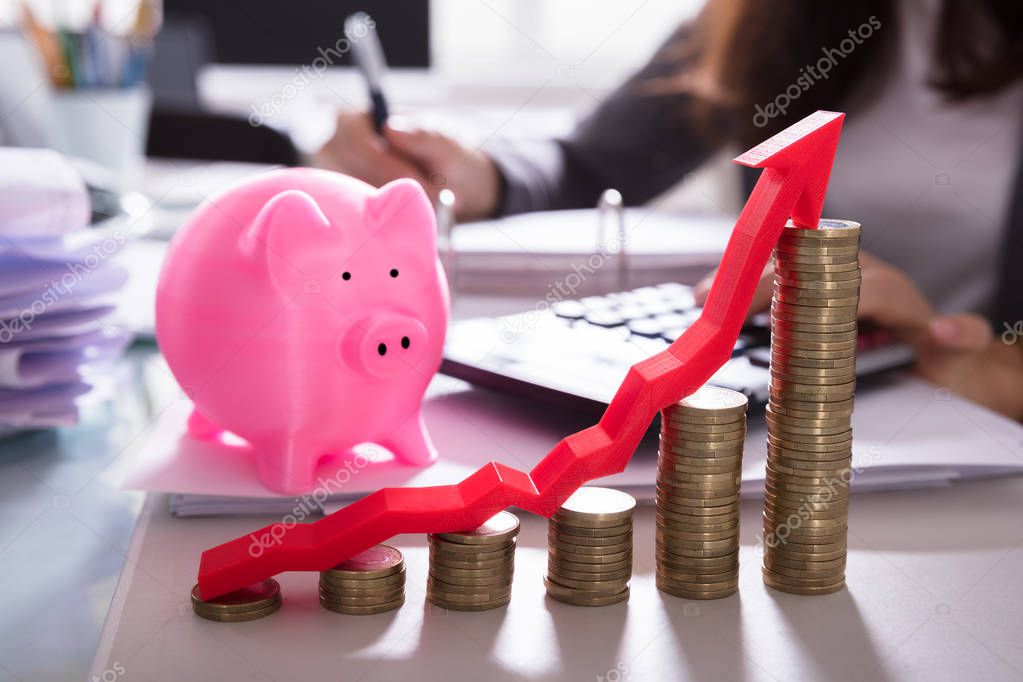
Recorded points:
(305, 311)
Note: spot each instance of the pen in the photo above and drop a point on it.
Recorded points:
(369, 58)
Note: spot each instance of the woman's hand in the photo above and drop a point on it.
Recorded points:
(434, 159)
(958, 352)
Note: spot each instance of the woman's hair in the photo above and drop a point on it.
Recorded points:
(747, 60)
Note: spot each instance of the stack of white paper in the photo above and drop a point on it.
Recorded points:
(57, 279)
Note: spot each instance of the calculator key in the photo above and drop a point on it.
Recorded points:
(572, 310)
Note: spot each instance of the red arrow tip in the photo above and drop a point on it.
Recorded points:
(807, 147)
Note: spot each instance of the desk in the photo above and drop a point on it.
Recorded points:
(933, 593)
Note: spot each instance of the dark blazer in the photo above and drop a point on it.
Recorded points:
(643, 144)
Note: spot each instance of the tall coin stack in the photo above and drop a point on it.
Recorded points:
(699, 471)
(472, 570)
(809, 433)
(589, 548)
(370, 582)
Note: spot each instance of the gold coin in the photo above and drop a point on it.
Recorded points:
(681, 437)
(851, 240)
(450, 598)
(783, 486)
(684, 593)
(711, 400)
(796, 440)
(674, 542)
(376, 562)
(827, 228)
(602, 576)
(816, 316)
(701, 422)
(360, 592)
(675, 497)
(785, 327)
(805, 422)
(255, 601)
(727, 516)
(697, 506)
(554, 587)
(491, 565)
(809, 475)
(450, 551)
(715, 427)
(801, 582)
(608, 586)
(591, 504)
(363, 610)
(789, 516)
(792, 589)
(485, 606)
(683, 553)
(602, 532)
(813, 375)
(461, 592)
(470, 572)
(577, 540)
(496, 580)
(799, 277)
(794, 555)
(363, 583)
(560, 554)
(700, 577)
(554, 542)
(810, 268)
(681, 478)
(583, 600)
(469, 548)
(499, 528)
(696, 585)
(589, 567)
(672, 562)
(667, 469)
(685, 522)
(673, 536)
(702, 450)
(818, 289)
(346, 600)
(781, 561)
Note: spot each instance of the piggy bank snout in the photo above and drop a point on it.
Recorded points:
(385, 344)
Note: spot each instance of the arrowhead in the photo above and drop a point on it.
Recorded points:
(807, 148)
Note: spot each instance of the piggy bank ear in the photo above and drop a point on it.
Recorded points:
(402, 206)
(293, 240)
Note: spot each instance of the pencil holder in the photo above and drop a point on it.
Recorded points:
(105, 125)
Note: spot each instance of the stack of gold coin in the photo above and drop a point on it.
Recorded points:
(370, 582)
(699, 470)
(813, 377)
(472, 570)
(589, 548)
(255, 601)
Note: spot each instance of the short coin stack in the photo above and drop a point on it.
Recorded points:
(370, 582)
(250, 603)
(472, 570)
(699, 471)
(589, 548)
(813, 377)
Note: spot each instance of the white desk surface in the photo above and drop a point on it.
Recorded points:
(934, 592)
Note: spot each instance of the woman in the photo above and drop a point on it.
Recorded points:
(928, 161)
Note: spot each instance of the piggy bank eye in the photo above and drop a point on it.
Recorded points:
(394, 272)
(346, 275)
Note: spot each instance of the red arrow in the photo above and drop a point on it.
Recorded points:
(797, 163)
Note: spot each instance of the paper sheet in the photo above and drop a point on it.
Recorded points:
(907, 434)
